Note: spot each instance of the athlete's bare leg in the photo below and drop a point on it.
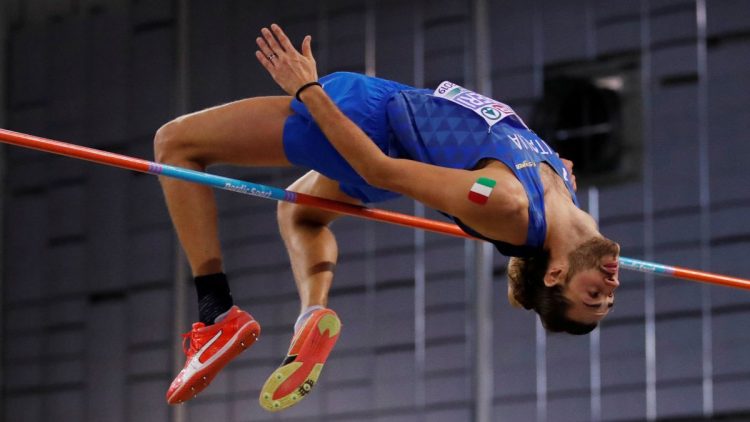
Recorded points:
(311, 244)
(246, 132)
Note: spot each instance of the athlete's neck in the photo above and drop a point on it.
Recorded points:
(567, 225)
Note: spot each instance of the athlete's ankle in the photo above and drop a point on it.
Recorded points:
(214, 297)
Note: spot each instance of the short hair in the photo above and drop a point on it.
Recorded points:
(526, 289)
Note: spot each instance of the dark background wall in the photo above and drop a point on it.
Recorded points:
(91, 286)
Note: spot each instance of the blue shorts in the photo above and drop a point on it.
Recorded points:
(363, 100)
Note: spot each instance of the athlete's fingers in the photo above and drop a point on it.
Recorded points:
(271, 41)
(306, 47)
(282, 38)
(264, 48)
(264, 61)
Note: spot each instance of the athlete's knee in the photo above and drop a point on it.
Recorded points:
(290, 215)
(172, 144)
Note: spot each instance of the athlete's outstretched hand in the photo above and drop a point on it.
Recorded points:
(287, 66)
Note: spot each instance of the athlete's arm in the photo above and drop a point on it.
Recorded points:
(442, 188)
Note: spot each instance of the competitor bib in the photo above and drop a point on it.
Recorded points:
(490, 110)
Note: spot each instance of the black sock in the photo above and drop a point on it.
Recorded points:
(214, 297)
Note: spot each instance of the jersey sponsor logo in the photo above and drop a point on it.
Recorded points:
(525, 164)
(490, 110)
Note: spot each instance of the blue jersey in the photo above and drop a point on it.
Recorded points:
(435, 130)
(416, 124)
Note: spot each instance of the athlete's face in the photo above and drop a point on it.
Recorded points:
(593, 277)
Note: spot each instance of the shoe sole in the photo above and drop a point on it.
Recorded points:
(318, 344)
(245, 337)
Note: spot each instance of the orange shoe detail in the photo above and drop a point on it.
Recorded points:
(307, 354)
(209, 350)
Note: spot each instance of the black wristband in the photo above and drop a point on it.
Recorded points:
(304, 87)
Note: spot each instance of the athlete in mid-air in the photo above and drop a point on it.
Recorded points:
(367, 140)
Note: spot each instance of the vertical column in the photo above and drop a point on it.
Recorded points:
(482, 341)
(541, 335)
(595, 375)
(648, 211)
(705, 204)
(3, 102)
(181, 274)
(420, 280)
(370, 39)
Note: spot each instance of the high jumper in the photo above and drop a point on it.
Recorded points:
(367, 140)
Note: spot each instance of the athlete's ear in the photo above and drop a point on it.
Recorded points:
(555, 275)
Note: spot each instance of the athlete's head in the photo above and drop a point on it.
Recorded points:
(572, 299)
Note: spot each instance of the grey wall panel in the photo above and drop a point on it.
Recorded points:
(144, 12)
(149, 256)
(25, 345)
(511, 42)
(211, 45)
(146, 400)
(676, 296)
(66, 405)
(23, 408)
(617, 33)
(148, 311)
(149, 208)
(620, 200)
(24, 277)
(622, 351)
(726, 399)
(152, 81)
(624, 405)
(67, 75)
(106, 82)
(247, 18)
(627, 233)
(728, 96)
(568, 364)
(564, 29)
(515, 410)
(29, 52)
(449, 415)
(349, 368)
(66, 208)
(446, 324)
(679, 350)
(105, 216)
(726, 16)
(569, 409)
(727, 222)
(512, 343)
(450, 389)
(106, 361)
(676, 26)
(66, 269)
(731, 343)
(677, 230)
(25, 318)
(679, 59)
(679, 401)
(394, 52)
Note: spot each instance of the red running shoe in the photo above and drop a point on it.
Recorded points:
(210, 349)
(299, 372)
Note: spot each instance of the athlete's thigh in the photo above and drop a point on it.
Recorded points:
(245, 132)
(315, 184)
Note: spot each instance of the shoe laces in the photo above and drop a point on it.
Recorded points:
(189, 343)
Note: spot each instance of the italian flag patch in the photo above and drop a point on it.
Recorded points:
(481, 190)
